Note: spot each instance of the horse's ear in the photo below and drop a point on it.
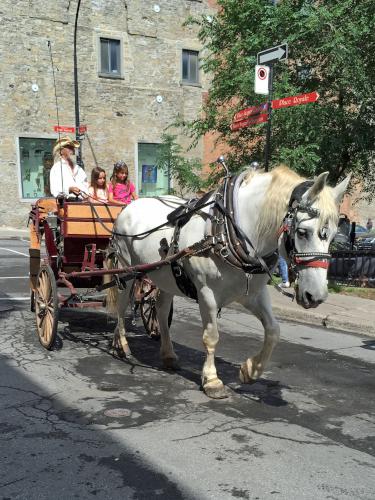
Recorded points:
(315, 189)
(340, 189)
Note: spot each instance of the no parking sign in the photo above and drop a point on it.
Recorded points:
(262, 74)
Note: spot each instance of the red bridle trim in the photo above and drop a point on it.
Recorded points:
(282, 229)
(314, 263)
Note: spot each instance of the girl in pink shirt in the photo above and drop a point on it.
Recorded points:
(120, 189)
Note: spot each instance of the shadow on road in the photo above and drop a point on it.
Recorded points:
(146, 356)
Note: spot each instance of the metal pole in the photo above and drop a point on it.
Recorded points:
(267, 152)
(76, 95)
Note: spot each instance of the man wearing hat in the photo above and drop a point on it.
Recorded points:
(66, 177)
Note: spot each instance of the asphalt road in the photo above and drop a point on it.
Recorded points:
(79, 423)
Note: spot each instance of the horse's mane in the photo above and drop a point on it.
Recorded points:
(275, 205)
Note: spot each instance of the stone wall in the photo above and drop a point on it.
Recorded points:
(119, 113)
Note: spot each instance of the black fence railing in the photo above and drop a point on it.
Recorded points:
(353, 267)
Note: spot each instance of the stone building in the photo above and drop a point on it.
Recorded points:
(137, 70)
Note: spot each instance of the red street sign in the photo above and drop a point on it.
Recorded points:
(252, 120)
(253, 110)
(295, 100)
(60, 128)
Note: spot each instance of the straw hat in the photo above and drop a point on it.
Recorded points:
(63, 143)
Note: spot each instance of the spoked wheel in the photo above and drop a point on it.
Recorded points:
(148, 313)
(46, 307)
(149, 317)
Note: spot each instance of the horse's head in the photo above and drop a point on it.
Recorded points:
(310, 226)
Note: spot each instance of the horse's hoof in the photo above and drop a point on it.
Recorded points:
(171, 364)
(244, 375)
(215, 390)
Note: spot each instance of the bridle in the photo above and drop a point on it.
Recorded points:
(300, 260)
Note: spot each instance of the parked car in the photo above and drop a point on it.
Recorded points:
(366, 241)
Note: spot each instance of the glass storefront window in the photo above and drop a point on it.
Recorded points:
(151, 180)
(36, 161)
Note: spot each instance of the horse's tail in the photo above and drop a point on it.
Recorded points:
(112, 292)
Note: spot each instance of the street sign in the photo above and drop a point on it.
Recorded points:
(71, 130)
(252, 120)
(278, 53)
(262, 74)
(60, 128)
(253, 110)
(295, 100)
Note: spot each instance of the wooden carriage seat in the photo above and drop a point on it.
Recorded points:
(85, 220)
(83, 224)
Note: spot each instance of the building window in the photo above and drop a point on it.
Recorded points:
(36, 161)
(110, 57)
(190, 67)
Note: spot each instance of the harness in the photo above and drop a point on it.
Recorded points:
(225, 238)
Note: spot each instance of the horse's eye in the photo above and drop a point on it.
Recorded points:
(302, 233)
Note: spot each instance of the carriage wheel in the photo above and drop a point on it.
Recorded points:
(150, 319)
(46, 307)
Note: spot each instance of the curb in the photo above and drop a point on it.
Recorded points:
(329, 322)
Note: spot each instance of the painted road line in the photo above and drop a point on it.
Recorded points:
(10, 299)
(14, 251)
(13, 277)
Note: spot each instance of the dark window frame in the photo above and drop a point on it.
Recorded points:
(105, 68)
(186, 67)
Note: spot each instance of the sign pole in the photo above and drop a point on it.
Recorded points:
(267, 151)
(76, 94)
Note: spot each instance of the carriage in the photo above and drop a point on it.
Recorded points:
(278, 211)
(70, 273)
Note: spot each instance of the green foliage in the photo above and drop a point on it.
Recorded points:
(185, 171)
(331, 51)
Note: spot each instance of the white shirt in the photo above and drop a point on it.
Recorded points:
(62, 177)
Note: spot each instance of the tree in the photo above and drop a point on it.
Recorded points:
(331, 50)
(185, 171)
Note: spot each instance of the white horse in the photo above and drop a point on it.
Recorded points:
(301, 231)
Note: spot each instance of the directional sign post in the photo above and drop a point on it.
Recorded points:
(273, 54)
(251, 120)
(269, 57)
(295, 100)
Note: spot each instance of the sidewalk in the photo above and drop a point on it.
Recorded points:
(339, 312)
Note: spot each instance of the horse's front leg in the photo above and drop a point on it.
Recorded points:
(163, 307)
(120, 342)
(260, 306)
(211, 384)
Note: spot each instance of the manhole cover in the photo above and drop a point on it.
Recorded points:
(108, 386)
(117, 412)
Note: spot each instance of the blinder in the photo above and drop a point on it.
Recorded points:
(300, 260)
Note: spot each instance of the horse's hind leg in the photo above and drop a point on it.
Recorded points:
(119, 340)
(211, 384)
(260, 306)
(163, 306)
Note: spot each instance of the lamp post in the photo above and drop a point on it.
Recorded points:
(76, 96)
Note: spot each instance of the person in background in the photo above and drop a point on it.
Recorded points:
(98, 190)
(283, 266)
(121, 190)
(66, 177)
(369, 224)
